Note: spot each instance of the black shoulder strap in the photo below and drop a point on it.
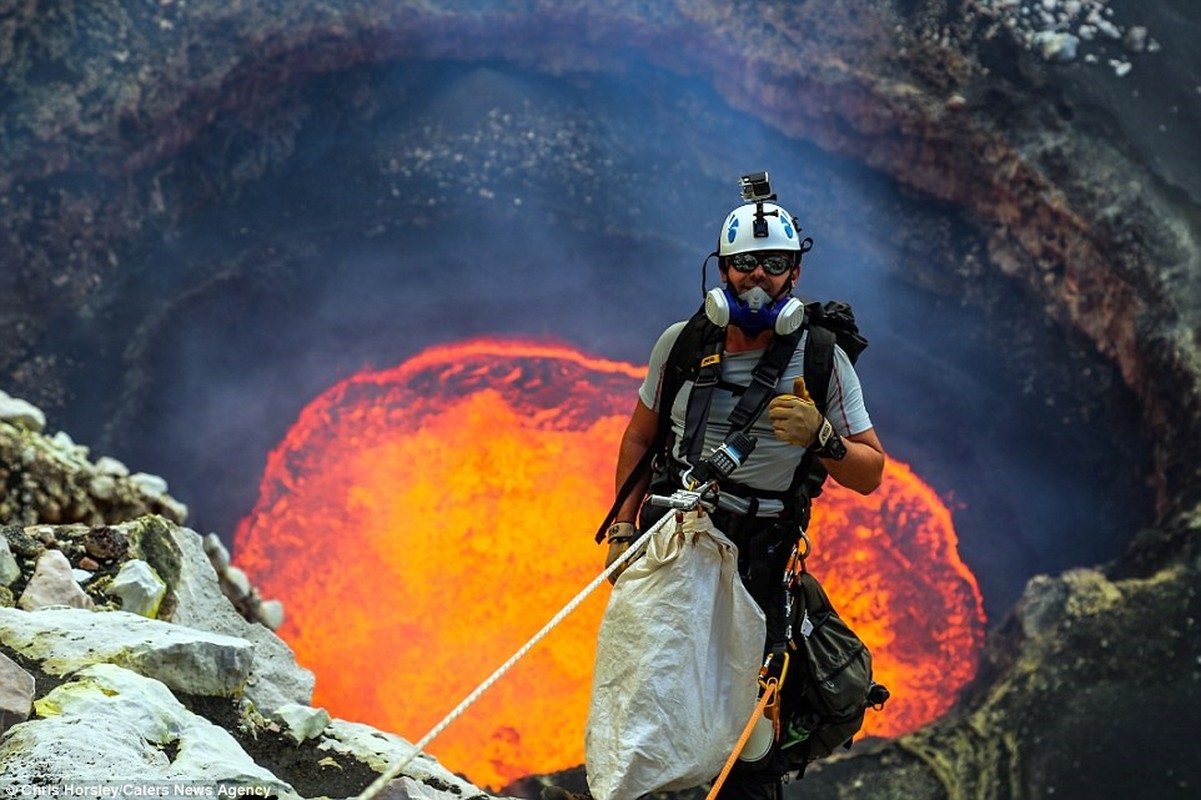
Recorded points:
(810, 474)
(684, 361)
(708, 376)
(753, 400)
(764, 379)
(830, 323)
(819, 364)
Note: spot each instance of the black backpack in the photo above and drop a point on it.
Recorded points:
(829, 685)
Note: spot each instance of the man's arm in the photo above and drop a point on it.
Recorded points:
(797, 421)
(638, 437)
(863, 466)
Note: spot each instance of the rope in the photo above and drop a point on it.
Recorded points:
(379, 783)
(764, 699)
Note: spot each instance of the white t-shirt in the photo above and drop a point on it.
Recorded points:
(772, 463)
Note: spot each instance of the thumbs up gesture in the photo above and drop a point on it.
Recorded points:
(796, 420)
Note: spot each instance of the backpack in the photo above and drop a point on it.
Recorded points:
(829, 323)
(829, 684)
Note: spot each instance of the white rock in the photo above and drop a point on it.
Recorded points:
(140, 588)
(63, 442)
(53, 584)
(238, 583)
(271, 614)
(1107, 29)
(218, 554)
(10, 570)
(381, 750)
(16, 693)
(186, 659)
(125, 718)
(21, 413)
(153, 486)
(276, 678)
(302, 722)
(103, 487)
(405, 788)
(107, 465)
(1058, 47)
(53, 752)
(173, 509)
(1135, 40)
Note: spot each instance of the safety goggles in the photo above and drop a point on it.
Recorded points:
(774, 264)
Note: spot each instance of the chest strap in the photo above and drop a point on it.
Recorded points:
(755, 397)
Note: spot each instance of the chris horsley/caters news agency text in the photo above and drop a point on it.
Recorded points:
(132, 789)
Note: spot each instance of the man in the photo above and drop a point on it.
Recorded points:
(759, 260)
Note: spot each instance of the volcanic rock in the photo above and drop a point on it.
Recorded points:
(119, 695)
(139, 731)
(21, 413)
(53, 584)
(51, 480)
(16, 693)
(185, 659)
(139, 587)
(9, 571)
(302, 722)
(105, 544)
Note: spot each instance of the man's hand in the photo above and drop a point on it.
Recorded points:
(796, 420)
(794, 417)
(619, 536)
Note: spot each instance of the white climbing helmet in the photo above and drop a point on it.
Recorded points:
(776, 229)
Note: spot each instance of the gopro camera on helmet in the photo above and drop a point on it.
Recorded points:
(756, 187)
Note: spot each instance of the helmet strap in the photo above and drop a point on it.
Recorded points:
(704, 267)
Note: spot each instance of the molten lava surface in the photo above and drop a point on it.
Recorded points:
(421, 523)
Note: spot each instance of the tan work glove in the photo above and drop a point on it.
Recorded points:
(796, 420)
(619, 536)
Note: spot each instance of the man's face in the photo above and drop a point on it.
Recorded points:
(747, 270)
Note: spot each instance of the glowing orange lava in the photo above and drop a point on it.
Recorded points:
(421, 523)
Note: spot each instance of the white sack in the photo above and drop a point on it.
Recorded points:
(677, 666)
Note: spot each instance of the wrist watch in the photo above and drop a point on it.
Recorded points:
(828, 443)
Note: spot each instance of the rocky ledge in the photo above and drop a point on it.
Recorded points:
(127, 663)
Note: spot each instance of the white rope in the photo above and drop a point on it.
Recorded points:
(390, 773)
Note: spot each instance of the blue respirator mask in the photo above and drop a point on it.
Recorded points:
(754, 311)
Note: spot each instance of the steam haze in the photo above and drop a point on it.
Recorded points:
(371, 213)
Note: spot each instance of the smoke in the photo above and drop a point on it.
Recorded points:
(379, 211)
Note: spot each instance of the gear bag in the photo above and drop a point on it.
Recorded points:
(829, 686)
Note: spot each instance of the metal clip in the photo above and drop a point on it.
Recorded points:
(687, 499)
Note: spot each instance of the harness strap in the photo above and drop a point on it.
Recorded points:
(728, 486)
(819, 364)
(764, 378)
(700, 399)
(696, 355)
(698, 336)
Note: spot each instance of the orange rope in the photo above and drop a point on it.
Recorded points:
(769, 692)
